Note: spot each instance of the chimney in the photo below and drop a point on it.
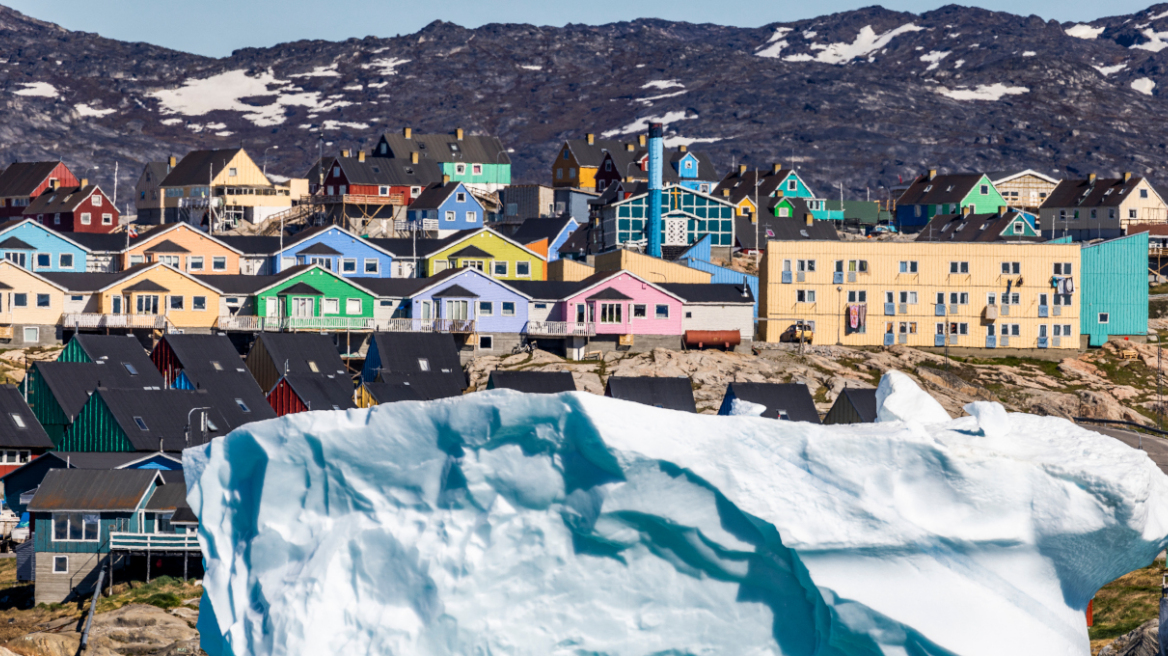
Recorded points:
(413, 156)
(1090, 178)
(932, 174)
(458, 133)
(445, 180)
(172, 161)
(84, 182)
(965, 210)
(591, 138)
(408, 133)
(345, 153)
(1002, 210)
(629, 147)
(681, 148)
(641, 140)
(726, 192)
(741, 170)
(775, 168)
(1127, 176)
(808, 218)
(656, 154)
(360, 156)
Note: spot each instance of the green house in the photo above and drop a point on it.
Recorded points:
(1114, 288)
(316, 299)
(932, 194)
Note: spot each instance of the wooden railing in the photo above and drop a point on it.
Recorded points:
(560, 328)
(155, 541)
(360, 199)
(254, 324)
(426, 325)
(94, 320)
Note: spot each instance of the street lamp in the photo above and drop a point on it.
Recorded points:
(202, 425)
(266, 158)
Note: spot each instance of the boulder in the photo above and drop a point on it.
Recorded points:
(1144, 640)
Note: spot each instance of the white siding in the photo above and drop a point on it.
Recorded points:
(738, 317)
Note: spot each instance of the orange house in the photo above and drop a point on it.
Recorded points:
(183, 247)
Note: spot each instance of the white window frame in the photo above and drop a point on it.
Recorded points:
(61, 261)
(503, 308)
(349, 307)
(957, 267)
(336, 306)
(58, 558)
(219, 263)
(376, 269)
(523, 269)
(485, 308)
(53, 531)
(86, 218)
(191, 259)
(1103, 318)
(107, 219)
(909, 266)
(451, 215)
(472, 216)
(170, 301)
(486, 342)
(196, 301)
(346, 262)
(495, 271)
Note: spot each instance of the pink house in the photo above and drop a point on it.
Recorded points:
(620, 303)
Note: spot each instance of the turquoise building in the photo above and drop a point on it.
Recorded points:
(686, 217)
(1114, 278)
(477, 160)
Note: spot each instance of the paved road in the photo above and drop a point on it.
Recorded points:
(1156, 447)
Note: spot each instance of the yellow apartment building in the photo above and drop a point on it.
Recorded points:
(979, 295)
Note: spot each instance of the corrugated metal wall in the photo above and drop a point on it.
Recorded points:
(73, 353)
(95, 430)
(1115, 281)
(45, 407)
(698, 257)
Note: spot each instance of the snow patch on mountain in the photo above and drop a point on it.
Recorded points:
(531, 67)
(386, 66)
(995, 91)
(337, 125)
(662, 84)
(1156, 41)
(226, 91)
(775, 45)
(934, 58)
(86, 111)
(1029, 53)
(37, 90)
(320, 71)
(649, 100)
(675, 141)
(1158, 16)
(642, 124)
(1144, 85)
(1084, 31)
(866, 43)
(1108, 70)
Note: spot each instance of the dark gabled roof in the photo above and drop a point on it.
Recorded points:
(942, 189)
(18, 425)
(469, 251)
(301, 349)
(244, 284)
(320, 392)
(5, 286)
(547, 290)
(533, 382)
(64, 199)
(228, 389)
(199, 166)
(114, 349)
(301, 289)
(743, 186)
(480, 149)
(292, 240)
(577, 242)
(92, 489)
(793, 398)
(319, 248)
(627, 163)
(164, 412)
(92, 282)
(1103, 192)
(416, 387)
(166, 246)
(401, 355)
(668, 393)
(110, 459)
(146, 286)
(171, 496)
(455, 291)
(782, 228)
(14, 244)
(609, 294)
(184, 515)
(100, 242)
(721, 293)
(533, 230)
(395, 287)
(389, 171)
(405, 248)
(22, 178)
(71, 383)
(434, 195)
(592, 155)
(863, 400)
(973, 228)
(251, 245)
(198, 353)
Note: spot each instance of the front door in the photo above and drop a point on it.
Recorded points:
(147, 303)
(302, 307)
(116, 301)
(675, 232)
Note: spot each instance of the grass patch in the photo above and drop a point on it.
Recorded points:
(821, 394)
(1046, 367)
(164, 592)
(1127, 602)
(1125, 372)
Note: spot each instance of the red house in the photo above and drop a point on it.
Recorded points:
(74, 209)
(381, 180)
(304, 392)
(22, 182)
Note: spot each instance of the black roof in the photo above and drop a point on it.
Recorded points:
(404, 248)
(91, 282)
(792, 398)
(184, 515)
(721, 293)
(171, 496)
(973, 227)
(110, 459)
(395, 287)
(96, 241)
(469, 251)
(941, 189)
(416, 387)
(319, 248)
(668, 393)
(547, 289)
(115, 348)
(610, 294)
(320, 392)
(743, 185)
(301, 289)
(251, 245)
(14, 244)
(533, 230)
(533, 382)
(434, 195)
(200, 353)
(782, 228)
(146, 285)
(455, 291)
(302, 351)
(92, 489)
(22, 178)
(1100, 192)
(482, 149)
(402, 353)
(388, 171)
(863, 400)
(71, 383)
(18, 425)
(244, 284)
(164, 413)
(236, 395)
(166, 246)
(197, 165)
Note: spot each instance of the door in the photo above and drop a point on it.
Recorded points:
(272, 308)
(147, 303)
(302, 307)
(579, 313)
(425, 310)
(116, 302)
(675, 232)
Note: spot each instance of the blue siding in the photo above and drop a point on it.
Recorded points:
(488, 291)
(698, 257)
(575, 203)
(554, 247)
(1114, 280)
(372, 363)
(460, 222)
(350, 247)
(45, 240)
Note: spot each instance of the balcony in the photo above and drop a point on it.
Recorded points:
(426, 325)
(155, 541)
(560, 328)
(252, 324)
(356, 199)
(837, 278)
(95, 320)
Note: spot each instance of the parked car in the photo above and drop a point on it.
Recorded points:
(798, 332)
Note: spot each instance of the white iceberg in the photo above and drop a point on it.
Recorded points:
(501, 523)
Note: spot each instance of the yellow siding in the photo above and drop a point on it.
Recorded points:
(20, 281)
(364, 399)
(568, 270)
(650, 268)
(780, 307)
(500, 250)
(176, 284)
(246, 173)
(195, 241)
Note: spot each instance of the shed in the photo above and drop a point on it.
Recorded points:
(532, 382)
(145, 420)
(412, 353)
(58, 390)
(853, 406)
(791, 401)
(304, 392)
(275, 354)
(669, 393)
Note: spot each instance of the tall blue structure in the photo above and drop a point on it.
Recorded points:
(656, 148)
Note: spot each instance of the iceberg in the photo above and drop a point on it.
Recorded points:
(572, 524)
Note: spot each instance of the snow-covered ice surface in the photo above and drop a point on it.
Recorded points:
(501, 523)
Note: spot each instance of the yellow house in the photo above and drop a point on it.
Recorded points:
(653, 269)
(488, 251)
(980, 294)
(144, 296)
(229, 182)
(1027, 189)
(578, 161)
(30, 306)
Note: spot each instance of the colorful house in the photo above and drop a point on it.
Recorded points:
(686, 215)
(27, 478)
(495, 312)
(1100, 208)
(334, 249)
(1114, 291)
(146, 296)
(715, 315)
(57, 391)
(630, 164)
(490, 252)
(148, 198)
(307, 392)
(932, 194)
(241, 189)
(578, 161)
(545, 236)
(145, 420)
(480, 161)
(742, 188)
(447, 207)
(182, 247)
(193, 362)
(30, 306)
(1003, 225)
(22, 182)
(22, 437)
(375, 180)
(621, 303)
(317, 299)
(103, 251)
(84, 208)
(28, 244)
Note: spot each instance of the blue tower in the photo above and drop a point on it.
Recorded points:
(656, 154)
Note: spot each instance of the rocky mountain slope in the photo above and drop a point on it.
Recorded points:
(860, 99)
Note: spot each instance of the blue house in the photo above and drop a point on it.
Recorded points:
(555, 231)
(334, 249)
(37, 248)
(699, 257)
(491, 311)
(450, 206)
(20, 483)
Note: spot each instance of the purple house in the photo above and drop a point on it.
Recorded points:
(499, 311)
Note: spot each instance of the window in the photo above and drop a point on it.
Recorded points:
(312, 367)
(460, 197)
(859, 296)
(908, 267)
(499, 268)
(372, 265)
(610, 313)
(1131, 214)
(107, 219)
(1018, 229)
(572, 172)
(423, 364)
(353, 306)
(199, 303)
(860, 266)
(65, 261)
(169, 260)
(1011, 299)
(908, 298)
(17, 419)
(991, 299)
(331, 306)
(176, 302)
(959, 267)
(77, 297)
(890, 297)
(195, 263)
(44, 260)
(135, 260)
(1011, 268)
(508, 308)
(232, 172)
(450, 214)
(20, 300)
(958, 328)
(141, 423)
(74, 526)
(42, 300)
(541, 306)
(523, 269)
(60, 563)
(805, 296)
(86, 218)
(985, 190)
(1104, 317)
(792, 185)
(1062, 299)
(907, 327)
(639, 312)
(1143, 193)
(32, 335)
(958, 298)
(1063, 330)
(459, 169)
(1062, 268)
(97, 200)
(486, 342)
(806, 265)
(56, 219)
(608, 165)
(476, 169)
(1011, 330)
(486, 308)
(662, 311)
(349, 265)
(559, 174)
(472, 217)
(219, 263)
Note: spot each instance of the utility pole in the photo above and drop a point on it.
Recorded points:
(757, 220)
(115, 183)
